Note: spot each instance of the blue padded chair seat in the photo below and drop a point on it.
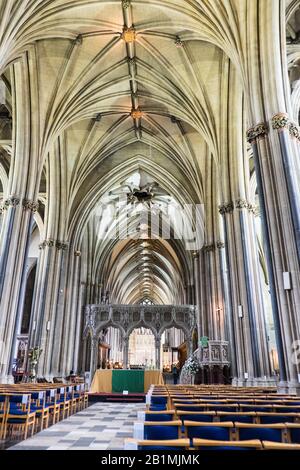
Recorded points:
(288, 409)
(209, 432)
(257, 408)
(273, 418)
(236, 417)
(158, 399)
(161, 433)
(291, 403)
(18, 413)
(159, 417)
(157, 408)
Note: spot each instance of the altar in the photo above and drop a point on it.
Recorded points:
(118, 380)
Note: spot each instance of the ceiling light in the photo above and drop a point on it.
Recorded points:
(129, 35)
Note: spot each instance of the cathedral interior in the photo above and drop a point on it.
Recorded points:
(150, 194)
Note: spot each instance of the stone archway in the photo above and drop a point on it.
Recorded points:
(157, 318)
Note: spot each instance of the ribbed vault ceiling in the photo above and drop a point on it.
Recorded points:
(108, 108)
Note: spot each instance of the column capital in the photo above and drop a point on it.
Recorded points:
(30, 205)
(195, 254)
(11, 201)
(61, 245)
(241, 204)
(51, 243)
(226, 208)
(253, 209)
(280, 121)
(294, 130)
(258, 131)
(220, 245)
(209, 248)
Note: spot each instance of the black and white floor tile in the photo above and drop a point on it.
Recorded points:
(102, 426)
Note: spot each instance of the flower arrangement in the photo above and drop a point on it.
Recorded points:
(189, 370)
(192, 365)
(33, 358)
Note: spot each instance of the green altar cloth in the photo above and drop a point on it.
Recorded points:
(131, 380)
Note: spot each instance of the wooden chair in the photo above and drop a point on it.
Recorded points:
(167, 415)
(78, 396)
(293, 430)
(3, 410)
(38, 404)
(70, 395)
(53, 406)
(268, 432)
(216, 431)
(162, 430)
(19, 416)
(63, 402)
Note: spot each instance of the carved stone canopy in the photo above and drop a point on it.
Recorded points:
(127, 318)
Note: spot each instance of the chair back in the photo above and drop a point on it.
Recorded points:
(216, 431)
(162, 430)
(264, 432)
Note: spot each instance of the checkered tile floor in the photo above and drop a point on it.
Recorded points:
(101, 426)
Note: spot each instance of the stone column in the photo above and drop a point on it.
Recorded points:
(48, 313)
(272, 139)
(280, 245)
(189, 344)
(227, 313)
(93, 360)
(125, 352)
(157, 352)
(197, 282)
(73, 314)
(213, 303)
(19, 206)
(246, 320)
